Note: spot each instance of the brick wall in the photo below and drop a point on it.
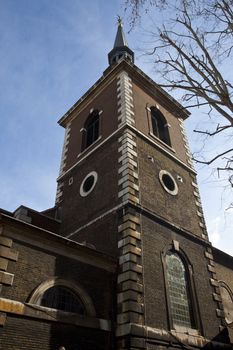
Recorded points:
(180, 209)
(23, 334)
(106, 102)
(77, 210)
(143, 101)
(35, 266)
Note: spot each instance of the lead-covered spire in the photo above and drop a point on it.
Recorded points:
(120, 49)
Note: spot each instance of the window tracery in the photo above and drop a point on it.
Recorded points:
(179, 291)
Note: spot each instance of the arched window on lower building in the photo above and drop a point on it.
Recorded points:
(62, 298)
(179, 294)
(160, 125)
(227, 299)
(60, 294)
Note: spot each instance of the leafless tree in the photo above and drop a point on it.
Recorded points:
(190, 52)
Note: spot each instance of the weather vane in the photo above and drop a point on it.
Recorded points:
(119, 20)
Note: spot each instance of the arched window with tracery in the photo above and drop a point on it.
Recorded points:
(179, 291)
(159, 125)
(91, 129)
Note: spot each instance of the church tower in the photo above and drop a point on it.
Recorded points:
(127, 188)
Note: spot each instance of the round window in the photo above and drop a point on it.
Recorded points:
(168, 182)
(88, 184)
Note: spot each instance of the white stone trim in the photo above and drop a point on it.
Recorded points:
(65, 148)
(175, 190)
(125, 167)
(63, 160)
(125, 99)
(59, 192)
(197, 201)
(186, 144)
(84, 193)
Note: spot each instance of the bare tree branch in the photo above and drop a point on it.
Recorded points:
(217, 131)
(189, 51)
(213, 159)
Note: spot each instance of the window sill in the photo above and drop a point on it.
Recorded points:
(185, 330)
(55, 315)
(89, 147)
(162, 143)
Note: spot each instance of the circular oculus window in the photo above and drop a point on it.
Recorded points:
(88, 184)
(168, 182)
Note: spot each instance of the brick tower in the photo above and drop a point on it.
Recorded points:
(127, 188)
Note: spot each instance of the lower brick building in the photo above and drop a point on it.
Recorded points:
(123, 259)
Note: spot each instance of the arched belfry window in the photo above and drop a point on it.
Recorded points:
(160, 125)
(178, 291)
(91, 128)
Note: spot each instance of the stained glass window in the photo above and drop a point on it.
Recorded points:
(178, 291)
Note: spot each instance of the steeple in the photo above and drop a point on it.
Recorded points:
(120, 48)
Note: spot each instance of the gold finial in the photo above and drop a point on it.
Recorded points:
(119, 20)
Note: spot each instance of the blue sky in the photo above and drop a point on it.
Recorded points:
(51, 53)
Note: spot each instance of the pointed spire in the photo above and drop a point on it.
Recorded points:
(120, 49)
(120, 36)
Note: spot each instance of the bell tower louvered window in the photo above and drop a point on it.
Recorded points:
(160, 126)
(91, 129)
